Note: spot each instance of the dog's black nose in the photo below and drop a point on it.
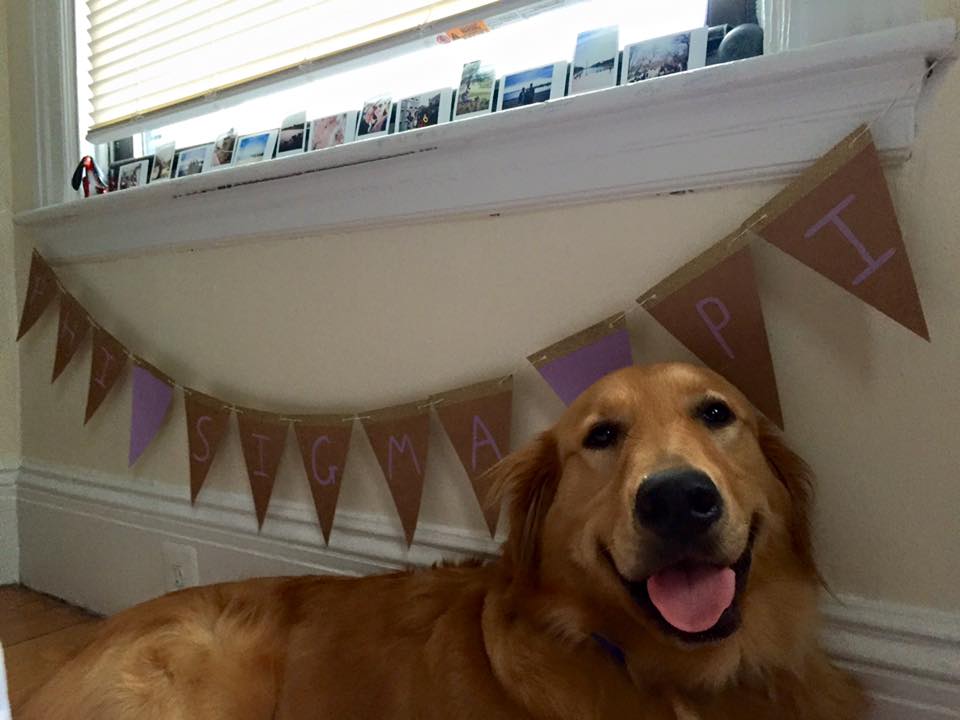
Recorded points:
(678, 504)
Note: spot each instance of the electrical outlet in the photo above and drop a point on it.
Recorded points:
(180, 569)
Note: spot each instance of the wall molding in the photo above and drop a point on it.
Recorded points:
(909, 657)
(9, 535)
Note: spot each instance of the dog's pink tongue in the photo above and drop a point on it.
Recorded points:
(692, 599)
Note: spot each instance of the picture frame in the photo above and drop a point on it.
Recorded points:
(192, 160)
(162, 166)
(292, 139)
(664, 55)
(595, 60)
(424, 110)
(223, 148)
(374, 118)
(128, 174)
(254, 147)
(332, 130)
(536, 85)
(476, 90)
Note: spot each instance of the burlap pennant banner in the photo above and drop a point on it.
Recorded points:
(324, 441)
(399, 437)
(576, 362)
(477, 418)
(72, 328)
(42, 287)
(711, 305)
(108, 358)
(262, 437)
(207, 420)
(152, 397)
(838, 218)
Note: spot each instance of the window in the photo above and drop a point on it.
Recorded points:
(521, 36)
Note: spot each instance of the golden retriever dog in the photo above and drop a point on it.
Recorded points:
(658, 567)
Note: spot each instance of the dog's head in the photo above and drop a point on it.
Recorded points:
(661, 511)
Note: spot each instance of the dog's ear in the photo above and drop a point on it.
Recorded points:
(797, 478)
(528, 479)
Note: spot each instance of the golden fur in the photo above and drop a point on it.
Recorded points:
(513, 638)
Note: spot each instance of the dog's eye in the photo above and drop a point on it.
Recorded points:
(715, 414)
(602, 435)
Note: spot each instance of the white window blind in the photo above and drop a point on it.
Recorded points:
(147, 56)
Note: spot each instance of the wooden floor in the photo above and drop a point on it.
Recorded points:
(38, 634)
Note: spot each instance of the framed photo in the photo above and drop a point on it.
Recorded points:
(192, 160)
(162, 163)
(424, 110)
(475, 94)
(532, 86)
(254, 147)
(664, 55)
(332, 130)
(133, 173)
(595, 60)
(374, 118)
(293, 135)
(223, 148)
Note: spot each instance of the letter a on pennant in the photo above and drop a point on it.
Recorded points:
(838, 218)
(41, 289)
(399, 437)
(107, 361)
(262, 436)
(716, 313)
(207, 420)
(324, 441)
(477, 421)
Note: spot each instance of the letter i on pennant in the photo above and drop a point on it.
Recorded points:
(262, 436)
(108, 359)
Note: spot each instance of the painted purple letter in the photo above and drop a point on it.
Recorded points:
(402, 446)
(331, 477)
(833, 217)
(716, 327)
(486, 441)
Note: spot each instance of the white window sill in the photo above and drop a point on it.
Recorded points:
(763, 118)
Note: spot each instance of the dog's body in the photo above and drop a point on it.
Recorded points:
(583, 617)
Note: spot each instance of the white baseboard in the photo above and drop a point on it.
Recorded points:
(9, 541)
(80, 531)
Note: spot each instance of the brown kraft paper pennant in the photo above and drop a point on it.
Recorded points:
(108, 359)
(399, 437)
(477, 418)
(838, 219)
(71, 330)
(207, 420)
(262, 437)
(42, 287)
(324, 441)
(716, 313)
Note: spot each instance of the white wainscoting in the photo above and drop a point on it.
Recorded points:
(9, 542)
(95, 540)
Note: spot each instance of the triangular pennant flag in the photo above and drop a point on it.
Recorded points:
(152, 396)
(262, 436)
(838, 218)
(477, 421)
(107, 361)
(41, 289)
(324, 441)
(207, 420)
(71, 330)
(399, 438)
(575, 363)
(711, 305)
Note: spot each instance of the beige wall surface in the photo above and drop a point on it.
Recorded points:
(372, 317)
(9, 381)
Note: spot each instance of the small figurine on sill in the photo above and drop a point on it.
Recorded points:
(87, 172)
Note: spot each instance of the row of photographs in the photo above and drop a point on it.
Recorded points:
(598, 64)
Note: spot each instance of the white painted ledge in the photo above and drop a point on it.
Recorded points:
(762, 118)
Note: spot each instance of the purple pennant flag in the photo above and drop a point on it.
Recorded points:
(575, 363)
(152, 395)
